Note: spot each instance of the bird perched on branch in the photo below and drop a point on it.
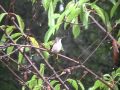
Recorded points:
(57, 46)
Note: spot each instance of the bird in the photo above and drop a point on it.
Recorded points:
(57, 46)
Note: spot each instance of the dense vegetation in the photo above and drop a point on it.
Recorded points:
(89, 58)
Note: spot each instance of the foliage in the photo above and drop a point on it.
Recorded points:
(20, 48)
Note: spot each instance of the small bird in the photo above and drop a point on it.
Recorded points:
(57, 46)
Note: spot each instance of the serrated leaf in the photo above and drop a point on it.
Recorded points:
(20, 22)
(2, 16)
(114, 8)
(73, 83)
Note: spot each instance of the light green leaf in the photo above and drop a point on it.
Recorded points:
(46, 4)
(81, 85)
(2, 16)
(55, 16)
(114, 8)
(20, 58)
(72, 15)
(32, 82)
(10, 49)
(57, 87)
(42, 68)
(73, 83)
(14, 36)
(53, 82)
(99, 11)
(46, 54)
(117, 21)
(81, 2)
(86, 19)
(51, 20)
(76, 29)
(20, 22)
(33, 41)
(9, 29)
(49, 33)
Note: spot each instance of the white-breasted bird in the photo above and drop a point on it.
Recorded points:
(57, 46)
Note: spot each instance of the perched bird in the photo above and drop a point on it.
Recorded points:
(57, 46)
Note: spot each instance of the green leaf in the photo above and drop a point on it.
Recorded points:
(46, 54)
(46, 4)
(49, 33)
(76, 29)
(10, 49)
(14, 36)
(42, 68)
(20, 22)
(114, 8)
(86, 19)
(20, 58)
(81, 85)
(99, 11)
(9, 29)
(53, 82)
(73, 83)
(51, 20)
(72, 15)
(81, 2)
(57, 87)
(33, 41)
(2, 16)
(32, 82)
